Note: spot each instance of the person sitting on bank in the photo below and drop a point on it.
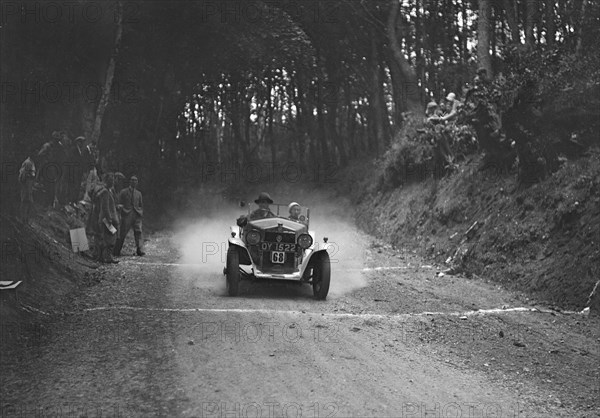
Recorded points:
(454, 105)
(432, 112)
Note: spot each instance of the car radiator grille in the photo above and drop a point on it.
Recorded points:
(263, 258)
(287, 238)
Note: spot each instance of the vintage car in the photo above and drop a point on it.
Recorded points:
(277, 248)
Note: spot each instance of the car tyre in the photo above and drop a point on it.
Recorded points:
(232, 272)
(321, 276)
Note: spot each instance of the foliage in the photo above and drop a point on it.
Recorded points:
(421, 150)
(551, 106)
(407, 154)
(311, 82)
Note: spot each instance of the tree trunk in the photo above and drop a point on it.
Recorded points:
(550, 24)
(483, 37)
(301, 128)
(578, 47)
(110, 72)
(493, 32)
(270, 117)
(332, 101)
(237, 123)
(322, 133)
(376, 120)
(399, 96)
(530, 22)
(410, 91)
(511, 19)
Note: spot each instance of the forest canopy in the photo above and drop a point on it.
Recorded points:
(175, 86)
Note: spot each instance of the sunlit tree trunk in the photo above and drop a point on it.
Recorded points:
(270, 116)
(511, 19)
(578, 47)
(550, 24)
(531, 22)
(298, 99)
(483, 36)
(376, 119)
(399, 95)
(493, 33)
(110, 72)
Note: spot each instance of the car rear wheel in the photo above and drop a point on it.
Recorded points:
(321, 276)
(232, 273)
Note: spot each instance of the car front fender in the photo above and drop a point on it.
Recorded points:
(311, 253)
(243, 252)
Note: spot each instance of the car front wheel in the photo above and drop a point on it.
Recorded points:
(321, 276)
(233, 272)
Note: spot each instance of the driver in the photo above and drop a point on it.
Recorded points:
(263, 211)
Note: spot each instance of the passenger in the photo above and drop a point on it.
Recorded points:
(295, 211)
(263, 211)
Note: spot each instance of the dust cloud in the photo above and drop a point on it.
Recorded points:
(202, 244)
(201, 237)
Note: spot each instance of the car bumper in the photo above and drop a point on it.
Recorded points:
(276, 276)
(291, 276)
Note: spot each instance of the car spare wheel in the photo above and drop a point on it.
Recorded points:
(321, 275)
(233, 272)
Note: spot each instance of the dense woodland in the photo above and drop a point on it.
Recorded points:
(172, 89)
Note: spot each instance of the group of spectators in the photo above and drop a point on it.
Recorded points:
(68, 174)
(63, 169)
(447, 125)
(114, 213)
(447, 112)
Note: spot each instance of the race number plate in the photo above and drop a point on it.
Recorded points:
(277, 257)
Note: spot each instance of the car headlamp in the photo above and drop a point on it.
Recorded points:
(305, 241)
(253, 237)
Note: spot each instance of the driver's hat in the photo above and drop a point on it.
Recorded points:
(264, 197)
(291, 205)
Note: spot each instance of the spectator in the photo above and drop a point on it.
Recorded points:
(454, 106)
(93, 227)
(432, 112)
(81, 158)
(108, 220)
(27, 180)
(50, 168)
(132, 211)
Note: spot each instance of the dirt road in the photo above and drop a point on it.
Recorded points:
(158, 337)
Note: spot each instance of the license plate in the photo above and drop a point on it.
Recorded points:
(278, 246)
(277, 257)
